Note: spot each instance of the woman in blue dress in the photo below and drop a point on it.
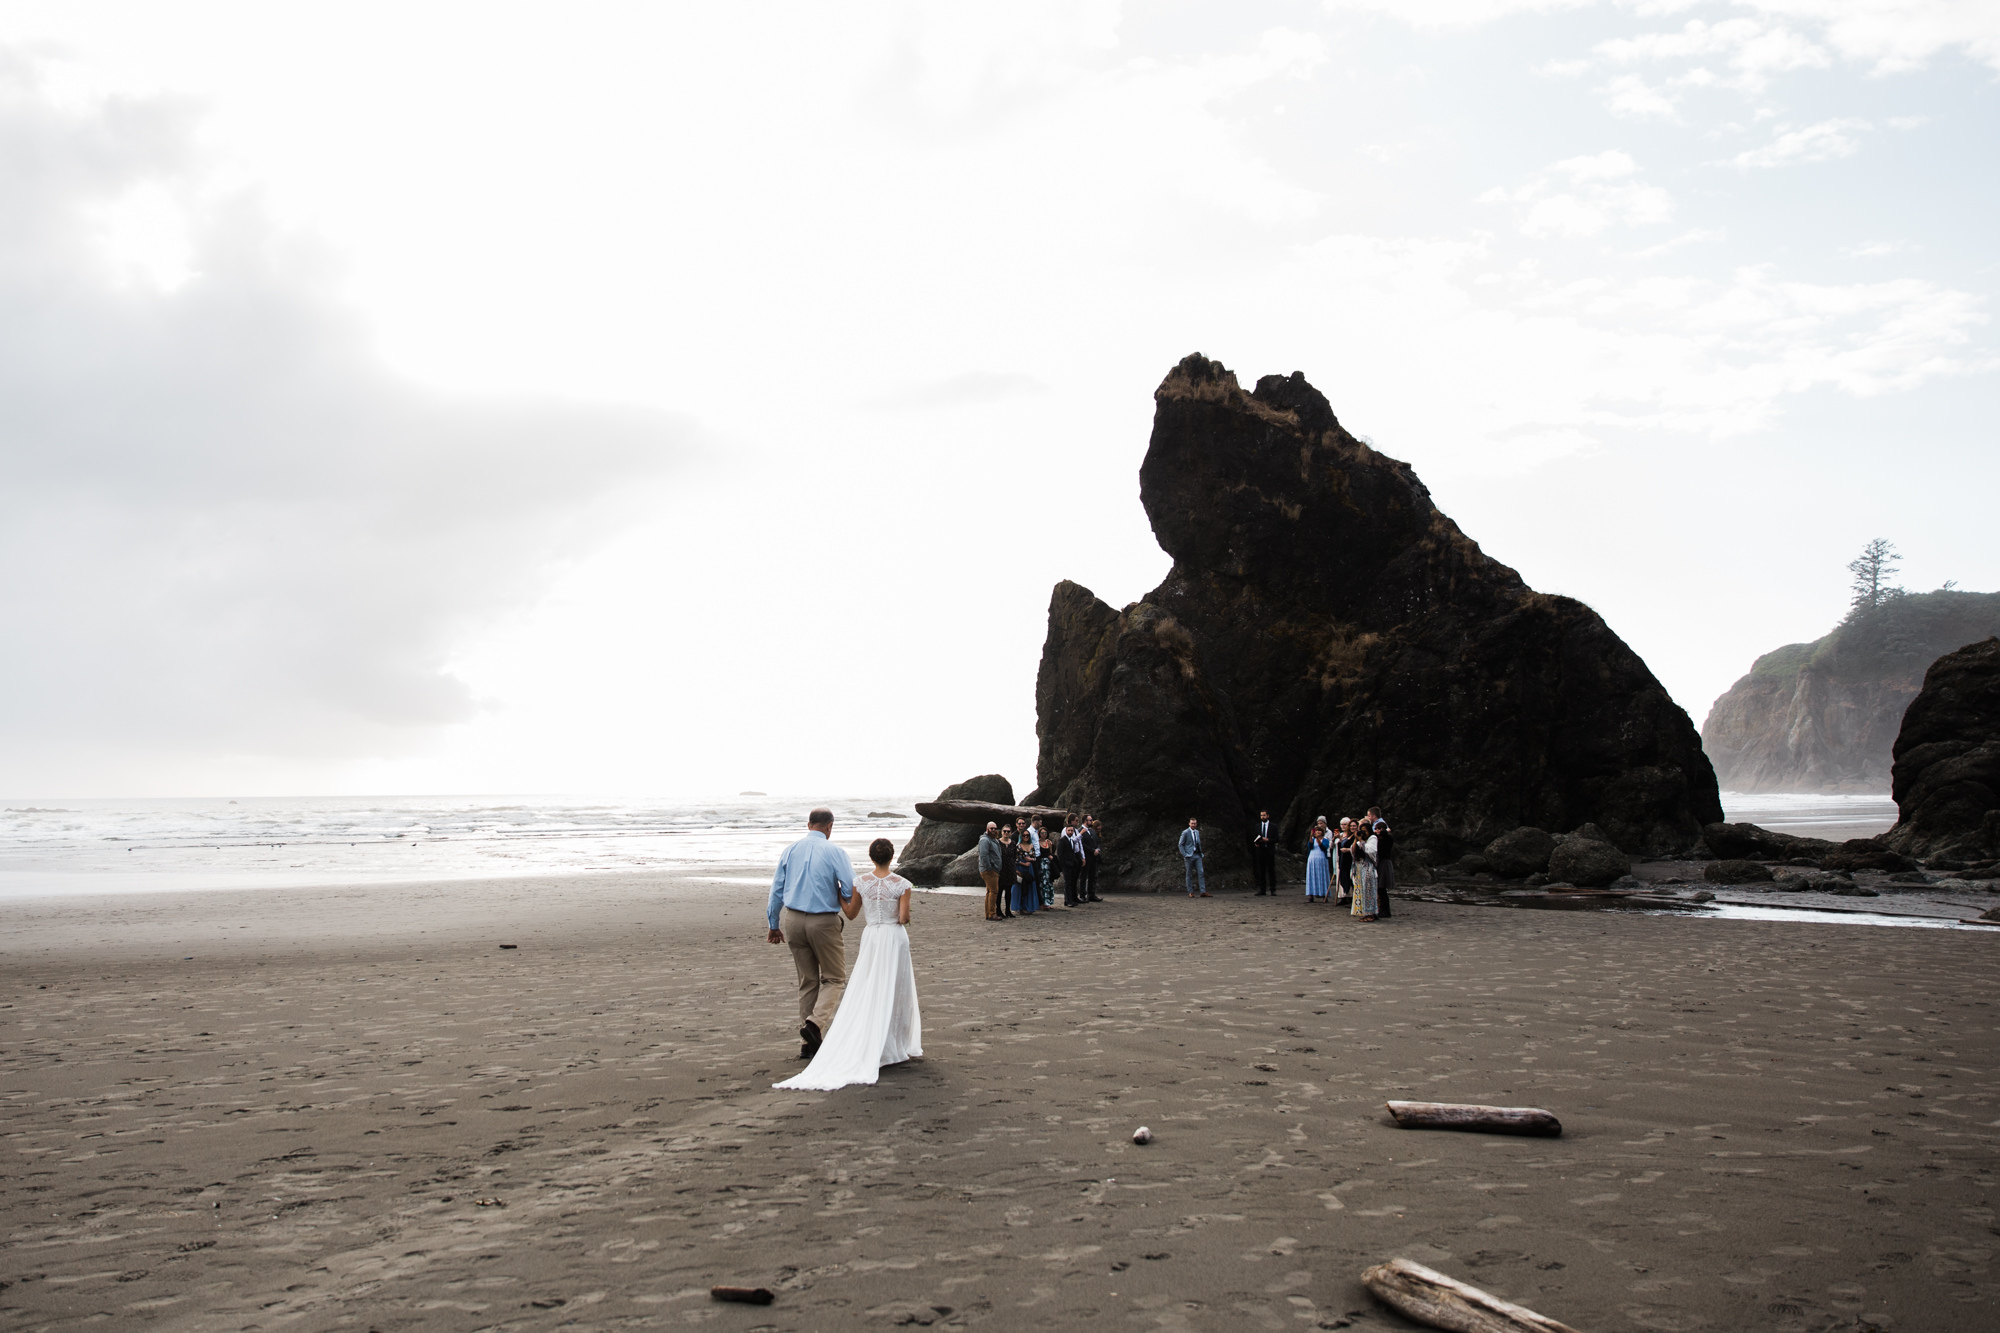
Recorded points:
(1319, 865)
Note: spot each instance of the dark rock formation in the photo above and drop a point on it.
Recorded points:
(1736, 872)
(1823, 716)
(1587, 861)
(1743, 841)
(1520, 853)
(1947, 774)
(934, 844)
(1328, 640)
(978, 814)
(962, 871)
(1865, 854)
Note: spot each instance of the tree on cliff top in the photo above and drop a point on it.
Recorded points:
(1872, 570)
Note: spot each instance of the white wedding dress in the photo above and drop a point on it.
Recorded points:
(877, 1023)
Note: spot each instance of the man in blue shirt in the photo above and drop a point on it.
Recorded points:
(1191, 859)
(812, 879)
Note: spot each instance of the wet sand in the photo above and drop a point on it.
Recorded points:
(351, 1109)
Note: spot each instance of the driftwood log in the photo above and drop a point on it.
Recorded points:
(745, 1295)
(980, 812)
(1429, 1297)
(1486, 1119)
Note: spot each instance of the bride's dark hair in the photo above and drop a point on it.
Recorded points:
(881, 851)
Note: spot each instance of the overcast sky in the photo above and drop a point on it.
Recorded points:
(677, 399)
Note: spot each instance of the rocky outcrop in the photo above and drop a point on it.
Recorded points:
(936, 842)
(1744, 841)
(1823, 716)
(1521, 853)
(978, 814)
(1590, 861)
(1736, 872)
(1947, 773)
(1327, 640)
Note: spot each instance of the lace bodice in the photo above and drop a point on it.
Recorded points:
(879, 897)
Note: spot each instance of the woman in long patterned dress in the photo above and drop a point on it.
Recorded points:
(1319, 853)
(1364, 879)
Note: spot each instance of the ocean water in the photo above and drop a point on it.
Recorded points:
(128, 846)
(1812, 814)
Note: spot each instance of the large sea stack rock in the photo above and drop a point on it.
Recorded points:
(1947, 774)
(934, 844)
(1823, 716)
(1328, 640)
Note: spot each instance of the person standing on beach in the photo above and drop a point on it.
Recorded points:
(1010, 889)
(813, 879)
(1319, 860)
(1026, 848)
(989, 868)
(1093, 846)
(1190, 846)
(1069, 863)
(1264, 855)
(1343, 858)
(1364, 874)
(1045, 880)
(1385, 861)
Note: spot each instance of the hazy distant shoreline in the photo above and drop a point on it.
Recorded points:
(102, 846)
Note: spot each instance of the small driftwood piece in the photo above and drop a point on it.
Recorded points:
(747, 1295)
(1429, 1297)
(1486, 1119)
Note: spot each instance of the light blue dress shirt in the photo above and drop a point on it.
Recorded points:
(813, 876)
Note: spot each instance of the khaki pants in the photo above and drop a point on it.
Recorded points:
(820, 954)
(992, 878)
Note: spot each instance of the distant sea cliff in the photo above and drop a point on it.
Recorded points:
(1823, 716)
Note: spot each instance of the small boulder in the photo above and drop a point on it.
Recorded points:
(1593, 862)
(1472, 863)
(961, 871)
(1525, 851)
(1865, 854)
(1736, 872)
(1589, 832)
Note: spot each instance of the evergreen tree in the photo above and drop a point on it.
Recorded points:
(1872, 570)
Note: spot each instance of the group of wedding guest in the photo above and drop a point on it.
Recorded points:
(1352, 863)
(1020, 863)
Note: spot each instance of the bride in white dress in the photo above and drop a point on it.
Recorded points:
(877, 1023)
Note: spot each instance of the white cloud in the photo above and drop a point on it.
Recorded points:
(1821, 142)
(1567, 364)
(1898, 35)
(1583, 196)
(1630, 95)
(1448, 14)
(1894, 35)
(228, 529)
(1753, 50)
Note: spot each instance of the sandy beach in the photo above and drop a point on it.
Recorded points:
(353, 1109)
